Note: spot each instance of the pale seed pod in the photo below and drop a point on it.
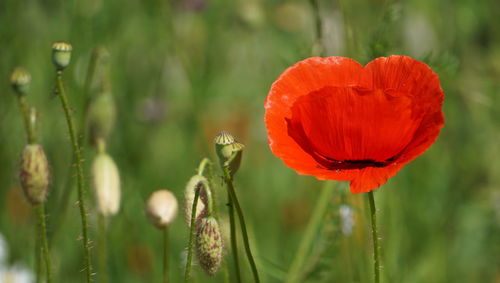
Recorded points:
(61, 54)
(106, 183)
(223, 141)
(20, 80)
(34, 173)
(161, 208)
(209, 246)
(101, 117)
(189, 193)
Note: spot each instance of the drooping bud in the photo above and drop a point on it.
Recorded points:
(189, 193)
(209, 245)
(61, 54)
(161, 208)
(20, 80)
(106, 182)
(101, 117)
(34, 173)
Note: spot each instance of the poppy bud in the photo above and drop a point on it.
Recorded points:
(101, 117)
(34, 173)
(61, 54)
(209, 245)
(106, 181)
(189, 193)
(161, 208)
(20, 80)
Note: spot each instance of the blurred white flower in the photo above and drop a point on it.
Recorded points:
(16, 274)
(346, 219)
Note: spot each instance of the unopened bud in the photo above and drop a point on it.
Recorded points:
(101, 117)
(161, 208)
(189, 193)
(20, 80)
(106, 182)
(209, 245)
(61, 54)
(34, 173)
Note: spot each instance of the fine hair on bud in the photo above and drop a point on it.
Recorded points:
(61, 54)
(20, 80)
(209, 245)
(189, 192)
(34, 173)
(106, 183)
(161, 208)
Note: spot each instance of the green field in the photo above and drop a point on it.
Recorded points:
(183, 70)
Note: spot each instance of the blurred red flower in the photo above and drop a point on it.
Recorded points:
(335, 119)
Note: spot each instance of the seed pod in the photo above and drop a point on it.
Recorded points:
(209, 245)
(234, 165)
(223, 141)
(106, 182)
(20, 80)
(189, 193)
(34, 173)
(61, 54)
(101, 117)
(161, 208)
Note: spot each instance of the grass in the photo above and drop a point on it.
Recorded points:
(180, 76)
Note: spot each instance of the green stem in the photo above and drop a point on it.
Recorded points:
(103, 252)
(234, 240)
(203, 165)
(243, 226)
(38, 255)
(79, 175)
(30, 128)
(187, 274)
(376, 245)
(43, 239)
(165, 255)
(320, 208)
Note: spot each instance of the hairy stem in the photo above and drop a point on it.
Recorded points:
(376, 244)
(165, 255)
(79, 175)
(187, 274)
(241, 218)
(43, 241)
(234, 240)
(103, 252)
(295, 271)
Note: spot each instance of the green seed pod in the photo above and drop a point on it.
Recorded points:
(189, 193)
(106, 182)
(101, 117)
(161, 208)
(209, 245)
(234, 163)
(61, 54)
(20, 80)
(222, 141)
(34, 173)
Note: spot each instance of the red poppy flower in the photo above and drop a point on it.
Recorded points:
(335, 119)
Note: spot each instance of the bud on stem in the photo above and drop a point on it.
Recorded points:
(34, 173)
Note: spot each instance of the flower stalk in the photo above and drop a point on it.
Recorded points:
(376, 244)
(234, 200)
(165, 255)
(187, 272)
(79, 174)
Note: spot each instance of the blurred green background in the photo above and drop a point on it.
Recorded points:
(182, 71)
